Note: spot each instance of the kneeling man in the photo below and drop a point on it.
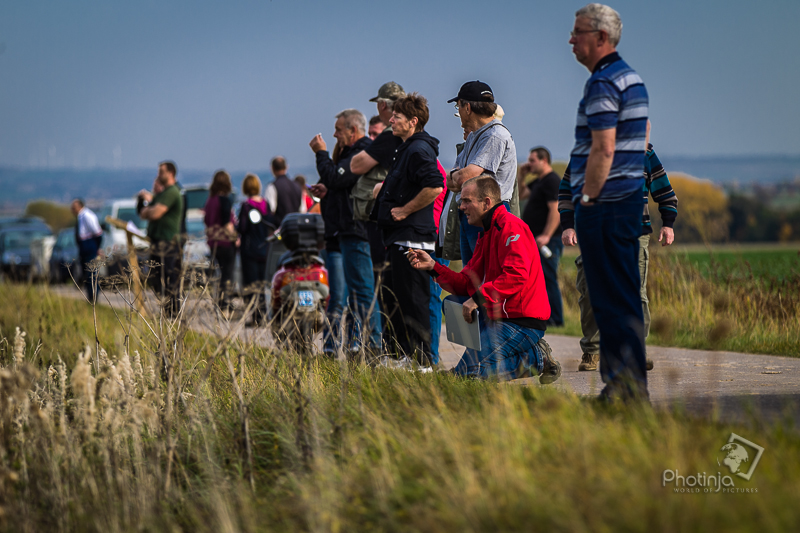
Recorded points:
(504, 280)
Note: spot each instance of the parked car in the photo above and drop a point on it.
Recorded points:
(15, 249)
(196, 253)
(116, 243)
(65, 258)
(28, 221)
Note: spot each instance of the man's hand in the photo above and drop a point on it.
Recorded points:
(145, 195)
(467, 309)
(317, 144)
(666, 237)
(399, 213)
(569, 237)
(420, 259)
(319, 190)
(452, 184)
(542, 240)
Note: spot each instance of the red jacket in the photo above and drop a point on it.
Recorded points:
(505, 273)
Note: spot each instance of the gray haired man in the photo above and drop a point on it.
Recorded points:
(347, 246)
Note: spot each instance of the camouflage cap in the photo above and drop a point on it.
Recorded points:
(390, 91)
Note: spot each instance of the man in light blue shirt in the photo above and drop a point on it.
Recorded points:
(489, 149)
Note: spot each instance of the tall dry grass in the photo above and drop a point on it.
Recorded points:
(213, 431)
(752, 314)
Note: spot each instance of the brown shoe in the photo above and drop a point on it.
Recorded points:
(589, 362)
(649, 364)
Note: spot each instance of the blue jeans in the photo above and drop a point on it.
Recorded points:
(336, 301)
(436, 313)
(469, 236)
(550, 270)
(506, 348)
(608, 233)
(357, 263)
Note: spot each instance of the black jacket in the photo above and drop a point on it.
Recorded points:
(414, 169)
(337, 207)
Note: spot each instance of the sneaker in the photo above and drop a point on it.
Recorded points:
(649, 364)
(552, 368)
(589, 362)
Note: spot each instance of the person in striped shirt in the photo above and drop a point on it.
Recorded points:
(606, 185)
(657, 185)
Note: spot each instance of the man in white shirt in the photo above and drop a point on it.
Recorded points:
(88, 235)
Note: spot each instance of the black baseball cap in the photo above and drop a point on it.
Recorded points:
(474, 91)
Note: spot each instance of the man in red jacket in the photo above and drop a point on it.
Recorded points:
(504, 280)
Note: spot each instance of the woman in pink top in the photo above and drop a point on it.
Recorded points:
(221, 234)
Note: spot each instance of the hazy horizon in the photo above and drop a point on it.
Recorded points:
(91, 84)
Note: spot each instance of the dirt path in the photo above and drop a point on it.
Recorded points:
(732, 386)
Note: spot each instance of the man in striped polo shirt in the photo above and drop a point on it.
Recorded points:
(606, 184)
(657, 185)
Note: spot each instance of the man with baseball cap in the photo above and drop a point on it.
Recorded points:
(489, 149)
(381, 151)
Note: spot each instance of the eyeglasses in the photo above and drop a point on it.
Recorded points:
(575, 33)
(457, 113)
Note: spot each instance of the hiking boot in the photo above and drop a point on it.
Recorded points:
(552, 368)
(649, 364)
(589, 362)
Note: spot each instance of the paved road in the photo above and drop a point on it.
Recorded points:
(734, 385)
(729, 385)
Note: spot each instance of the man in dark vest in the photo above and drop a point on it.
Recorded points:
(283, 195)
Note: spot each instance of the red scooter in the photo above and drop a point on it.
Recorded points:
(300, 289)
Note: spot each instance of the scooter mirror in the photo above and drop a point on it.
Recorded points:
(254, 216)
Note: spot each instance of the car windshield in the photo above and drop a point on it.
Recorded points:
(128, 214)
(196, 198)
(195, 228)
(21, 238)
(66, 239)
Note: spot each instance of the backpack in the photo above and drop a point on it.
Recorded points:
(361, 193)
(254, 236)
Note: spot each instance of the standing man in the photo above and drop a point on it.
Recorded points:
(337, 211)
(376, 127)
(657, 185)
(380, 154)
(541, 216)
(404, 212)
(164, 211)
(88, 235)
(606, 185)
(489, 149)
(283, 195)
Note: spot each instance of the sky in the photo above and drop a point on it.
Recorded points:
(231, 84)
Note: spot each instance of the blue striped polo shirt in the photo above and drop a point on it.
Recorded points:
(614, 97)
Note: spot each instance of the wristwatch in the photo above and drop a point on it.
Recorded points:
(587, 199)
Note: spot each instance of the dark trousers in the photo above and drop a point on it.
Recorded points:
(407, 305)
(225, 258)
(254, 279)
(89, 277)
(165, 276)
(550, 270)
(608, 233)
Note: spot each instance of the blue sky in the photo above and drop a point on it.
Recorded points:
(230, 84)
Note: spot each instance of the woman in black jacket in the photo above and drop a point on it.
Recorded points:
(254, 247)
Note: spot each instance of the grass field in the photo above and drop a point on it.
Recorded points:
(767, 264)
(205, 433)
(733, 297)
